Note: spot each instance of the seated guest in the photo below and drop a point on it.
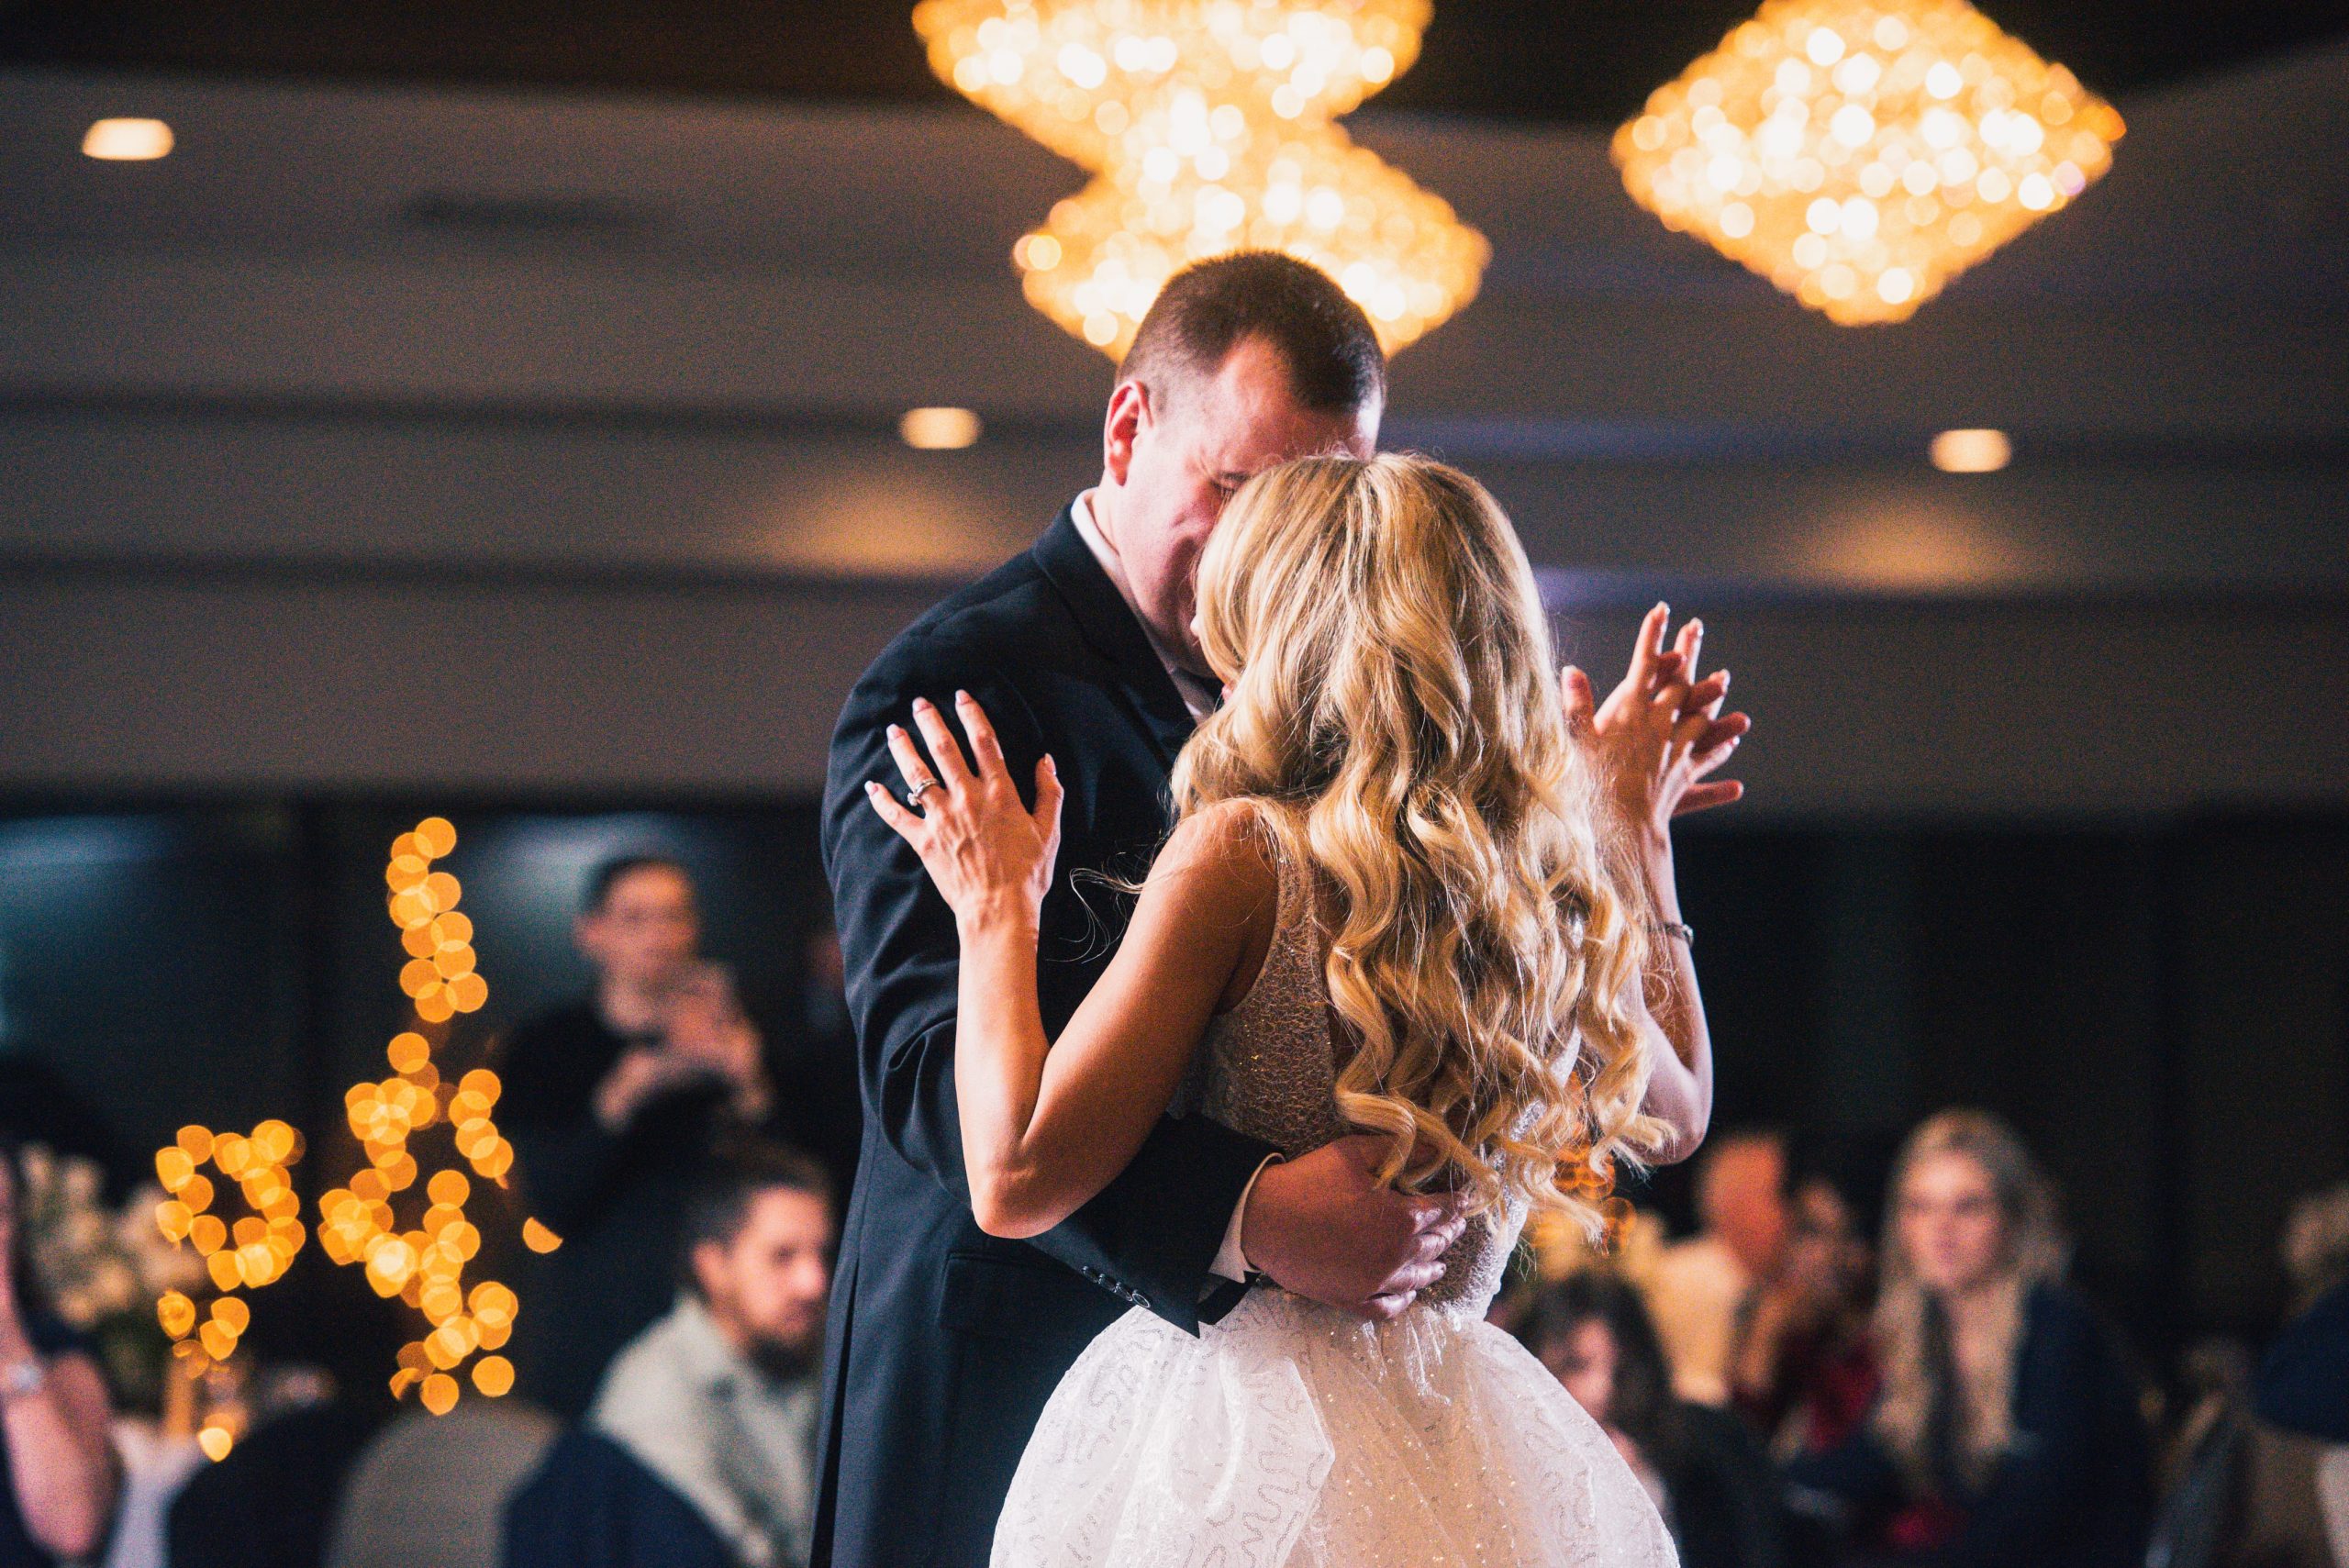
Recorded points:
(612, 1102)
(2304, 1382)
(1801, 1370)
(591, 1504)
(1701, 1288)
(718, 1399)
(58, 1475)
(2007, 1430)
(273, 1502)
(434, 1489)
(1708, 1476)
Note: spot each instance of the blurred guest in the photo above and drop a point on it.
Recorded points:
(1801, 1368)
(612, 1102)
(1701, 1287)
(58, 1475)
(2236, 1494)
(433, 1490)
(271, 1503)
(2304, 1382)
(593, 1504)
(719, 1399)
(2006, 1431)
(1717, 1492)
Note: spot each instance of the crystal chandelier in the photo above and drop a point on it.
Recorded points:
(1861, 153)
(1207, 124)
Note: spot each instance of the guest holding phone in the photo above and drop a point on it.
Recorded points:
(614, 1102)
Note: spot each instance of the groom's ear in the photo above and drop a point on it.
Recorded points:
(1130, 413)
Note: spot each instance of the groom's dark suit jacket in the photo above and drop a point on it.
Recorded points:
(944, 1342)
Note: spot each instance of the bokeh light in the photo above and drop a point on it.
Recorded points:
(253, 1253)
(1861, 153)
(1209, 124)
(423, 1264)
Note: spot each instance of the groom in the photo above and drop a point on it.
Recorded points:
(945, 1342)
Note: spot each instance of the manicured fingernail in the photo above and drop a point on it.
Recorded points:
(896, 730)
(1050, 766)
(1725, 680)
(961, 695)
(921, 703)
(871, 787)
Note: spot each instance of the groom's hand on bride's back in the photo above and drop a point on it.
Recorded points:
(1321, 1226)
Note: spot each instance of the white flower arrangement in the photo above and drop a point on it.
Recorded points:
(101, 1268)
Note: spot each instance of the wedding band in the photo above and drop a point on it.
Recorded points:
(913, 797)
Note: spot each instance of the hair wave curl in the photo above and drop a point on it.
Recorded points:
(1396, 724)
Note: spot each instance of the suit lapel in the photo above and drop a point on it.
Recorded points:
(1109, 627)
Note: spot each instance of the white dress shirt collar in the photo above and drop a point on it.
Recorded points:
(1197, 695)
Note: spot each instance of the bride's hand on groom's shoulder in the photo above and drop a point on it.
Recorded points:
(990, 854)
(1661, 733)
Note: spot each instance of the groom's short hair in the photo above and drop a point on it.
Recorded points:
(1209, 307)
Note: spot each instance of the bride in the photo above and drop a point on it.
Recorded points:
(1419, 884)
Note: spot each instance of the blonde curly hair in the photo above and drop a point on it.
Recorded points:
(1396, 724)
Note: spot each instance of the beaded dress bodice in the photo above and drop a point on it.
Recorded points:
(1267, 1069)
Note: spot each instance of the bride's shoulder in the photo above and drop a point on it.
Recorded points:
(1220, 873)
(1226, 853)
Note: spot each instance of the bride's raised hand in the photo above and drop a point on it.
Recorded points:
(1661, 732)
(989, 854)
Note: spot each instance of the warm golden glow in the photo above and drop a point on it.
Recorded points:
(1972, 451)
(938, 429)
(1861, 153)
(424, 1266)
(255, 1251)
(1209, 122)
(493, 1375)
(126, 141)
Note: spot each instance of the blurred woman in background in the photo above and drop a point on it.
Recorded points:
(57, 1465)
(2006, 1429)
(1701, 1464)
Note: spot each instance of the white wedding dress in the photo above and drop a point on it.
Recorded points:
(1293, 1436)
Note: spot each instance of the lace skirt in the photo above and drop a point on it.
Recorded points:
(1291, 1436)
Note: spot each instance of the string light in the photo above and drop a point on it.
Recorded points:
(1208, 123)
(423, 1263)
(1861, 153)
(247, 1254)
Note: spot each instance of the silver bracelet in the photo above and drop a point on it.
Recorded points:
(1681, 929)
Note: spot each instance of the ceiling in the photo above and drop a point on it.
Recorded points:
(2227, 190)
(1571, 61)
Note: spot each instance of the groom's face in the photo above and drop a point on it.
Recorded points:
(1175, 458)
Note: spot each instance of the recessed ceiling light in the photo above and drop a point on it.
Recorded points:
(1972, 451)
(938, 429)
(126, 141)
